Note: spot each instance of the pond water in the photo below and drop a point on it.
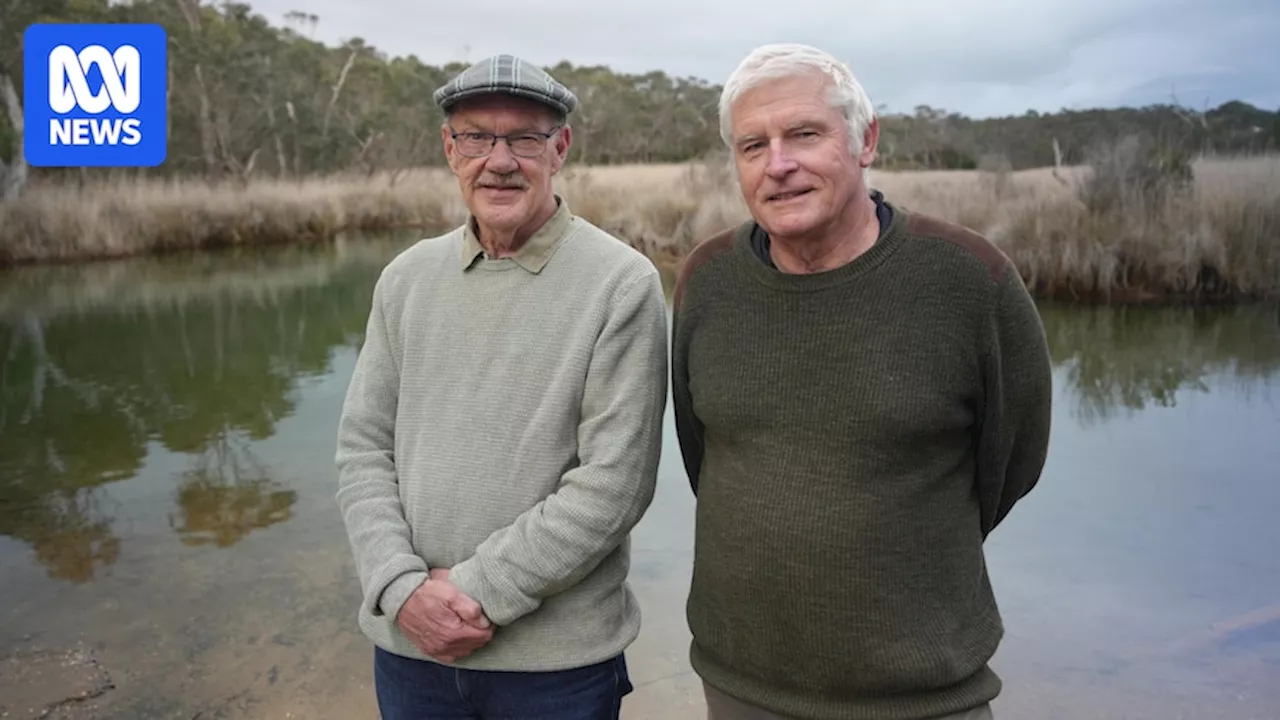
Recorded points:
(170, 546)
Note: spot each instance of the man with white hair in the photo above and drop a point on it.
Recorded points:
(862, 393)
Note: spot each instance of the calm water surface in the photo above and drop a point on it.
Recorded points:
(170, 547)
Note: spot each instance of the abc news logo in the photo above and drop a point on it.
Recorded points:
(96, 95)
(69, 89)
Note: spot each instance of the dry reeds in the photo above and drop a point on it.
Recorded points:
(1205, 231)
(132, 218)
(1208, 230)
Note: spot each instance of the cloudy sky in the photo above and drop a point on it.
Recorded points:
(978, 57)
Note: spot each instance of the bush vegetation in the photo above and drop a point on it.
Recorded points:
(1138, 224)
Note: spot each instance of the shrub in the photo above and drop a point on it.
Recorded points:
(1135, 174)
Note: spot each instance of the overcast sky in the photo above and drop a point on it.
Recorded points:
(978, 57)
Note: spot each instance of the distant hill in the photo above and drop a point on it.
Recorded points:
(250, 98)
(936, 139)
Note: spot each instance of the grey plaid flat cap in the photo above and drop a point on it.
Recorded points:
(509, 75)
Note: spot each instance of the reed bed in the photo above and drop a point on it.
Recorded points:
(1103, 232)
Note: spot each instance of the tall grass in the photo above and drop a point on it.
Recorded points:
(1205, 230)
(1139, 225)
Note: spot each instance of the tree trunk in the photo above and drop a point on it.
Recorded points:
(282, 165)
(208, 140)
(13, 175)
(337, 90)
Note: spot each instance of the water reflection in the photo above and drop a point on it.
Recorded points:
(203, 356)
(204, 362)
(69, 531)
(166, 431)
(1121, 360)
(227, 494)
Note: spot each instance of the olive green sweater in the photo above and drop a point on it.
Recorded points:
(852, 437)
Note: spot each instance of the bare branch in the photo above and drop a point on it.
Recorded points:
(1057, 162)
(191, 11)
(337, 90)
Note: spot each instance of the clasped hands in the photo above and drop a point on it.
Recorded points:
(442, 621)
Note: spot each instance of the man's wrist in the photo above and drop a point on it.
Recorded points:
(399, 591)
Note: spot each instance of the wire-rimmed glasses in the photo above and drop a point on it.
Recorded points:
(524, 144)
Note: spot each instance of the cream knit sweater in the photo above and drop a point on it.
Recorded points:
(506, 422)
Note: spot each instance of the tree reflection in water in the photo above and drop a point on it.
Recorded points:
(204, 366)
(1118, 360)
(201, 357)
(227, 495)
(70, 533)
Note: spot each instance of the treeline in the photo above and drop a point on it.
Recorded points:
(932, 138)
(253, 98)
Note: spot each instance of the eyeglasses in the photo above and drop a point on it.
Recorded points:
(525, 144)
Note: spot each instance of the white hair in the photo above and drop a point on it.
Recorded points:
(787, 60)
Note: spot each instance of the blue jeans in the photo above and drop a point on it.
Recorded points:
(410, 689)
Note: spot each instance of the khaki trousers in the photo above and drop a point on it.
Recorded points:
(723, 707)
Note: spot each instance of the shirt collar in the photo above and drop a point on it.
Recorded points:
(537, 250)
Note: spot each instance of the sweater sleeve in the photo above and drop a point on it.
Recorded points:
(557, 542)
(689, 429)
(1017, 402)
(368, 494)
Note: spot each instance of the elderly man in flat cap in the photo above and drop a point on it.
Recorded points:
(501, 432)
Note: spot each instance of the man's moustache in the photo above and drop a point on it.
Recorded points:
(500, 184)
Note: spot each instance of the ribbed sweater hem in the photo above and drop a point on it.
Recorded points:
(551, 661)
(537, 644)
(974, 691)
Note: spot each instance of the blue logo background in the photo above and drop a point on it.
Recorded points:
(38, 140)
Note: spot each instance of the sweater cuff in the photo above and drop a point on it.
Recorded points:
(501, 608)
(398, 592)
